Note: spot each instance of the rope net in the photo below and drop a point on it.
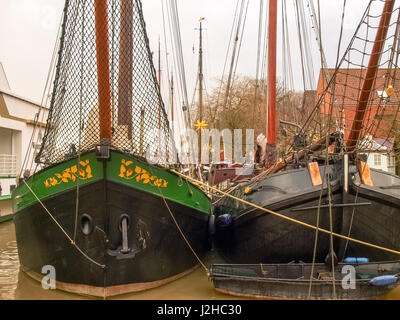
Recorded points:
(339, 90)
(139, 123)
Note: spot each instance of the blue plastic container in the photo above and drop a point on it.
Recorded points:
(356, 260)
(383, 280)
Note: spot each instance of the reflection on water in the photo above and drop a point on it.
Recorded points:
(9, 264)
(9, 267)
(17, 285)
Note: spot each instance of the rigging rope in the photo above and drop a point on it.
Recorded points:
(207, 271)
(199, 183)
(237, 25)
(44, 103)
(62, 229)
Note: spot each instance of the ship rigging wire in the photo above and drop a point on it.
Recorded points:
(307, 225)
(62, 229)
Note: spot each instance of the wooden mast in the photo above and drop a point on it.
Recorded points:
(370, 76)
(159, 103)
(200, 86)
(159, 82)
(125, 66)
(172, 103)
(103, 68)
(271, 106)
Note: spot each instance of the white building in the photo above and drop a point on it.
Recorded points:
(17, 122)
(379, 153)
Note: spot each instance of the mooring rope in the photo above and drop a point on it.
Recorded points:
(288, 218)
(62, 229)
(180, 229)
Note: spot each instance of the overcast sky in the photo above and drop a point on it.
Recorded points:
(28, 30)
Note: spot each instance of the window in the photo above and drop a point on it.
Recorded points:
(391, 161)
(377, 159)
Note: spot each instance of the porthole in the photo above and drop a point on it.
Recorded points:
(86, 224)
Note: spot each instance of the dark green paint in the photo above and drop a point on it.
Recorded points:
(23, 197)
(177, 190)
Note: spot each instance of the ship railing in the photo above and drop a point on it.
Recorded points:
(8, 165)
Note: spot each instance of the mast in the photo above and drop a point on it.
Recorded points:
(201, 72)
(159, 80)
(271, 106)
(103, 69)
(126, 66)
(200, 84)
(172, 102)
(159, 85)
(370, 76)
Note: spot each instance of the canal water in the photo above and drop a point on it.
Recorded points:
(16, 285)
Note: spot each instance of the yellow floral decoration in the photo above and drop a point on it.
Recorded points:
(140, 174)
(71, 174)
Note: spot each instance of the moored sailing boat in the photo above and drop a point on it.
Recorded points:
(248, 235)
(108, 219)
(335, 190)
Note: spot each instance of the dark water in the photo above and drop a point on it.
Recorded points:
(17, 285)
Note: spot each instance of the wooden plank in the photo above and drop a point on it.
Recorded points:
(365, 173)
(315, 175)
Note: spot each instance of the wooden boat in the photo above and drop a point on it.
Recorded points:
(292, 281)
(98, 211)
(337, 192)
(254, 236)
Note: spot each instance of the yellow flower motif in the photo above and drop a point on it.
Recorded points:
(141, 175)
(70, 174)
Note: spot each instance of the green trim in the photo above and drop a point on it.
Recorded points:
(8, 177)
(177, 189)
(41, 182)
(6, 218)
(6, 197)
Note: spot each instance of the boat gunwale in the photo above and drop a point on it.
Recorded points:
(286, 280)
(276, 204)
(375, 193)
(102, 179)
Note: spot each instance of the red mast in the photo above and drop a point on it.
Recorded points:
(103, 68)
(271, 106)
(370, 76)
(125, 66)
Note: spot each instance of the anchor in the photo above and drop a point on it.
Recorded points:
(124, 252)
(124, 228)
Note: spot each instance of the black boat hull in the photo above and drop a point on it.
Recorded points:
(256, 236)
(367, 213)
(378, 222)
(158, 252)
